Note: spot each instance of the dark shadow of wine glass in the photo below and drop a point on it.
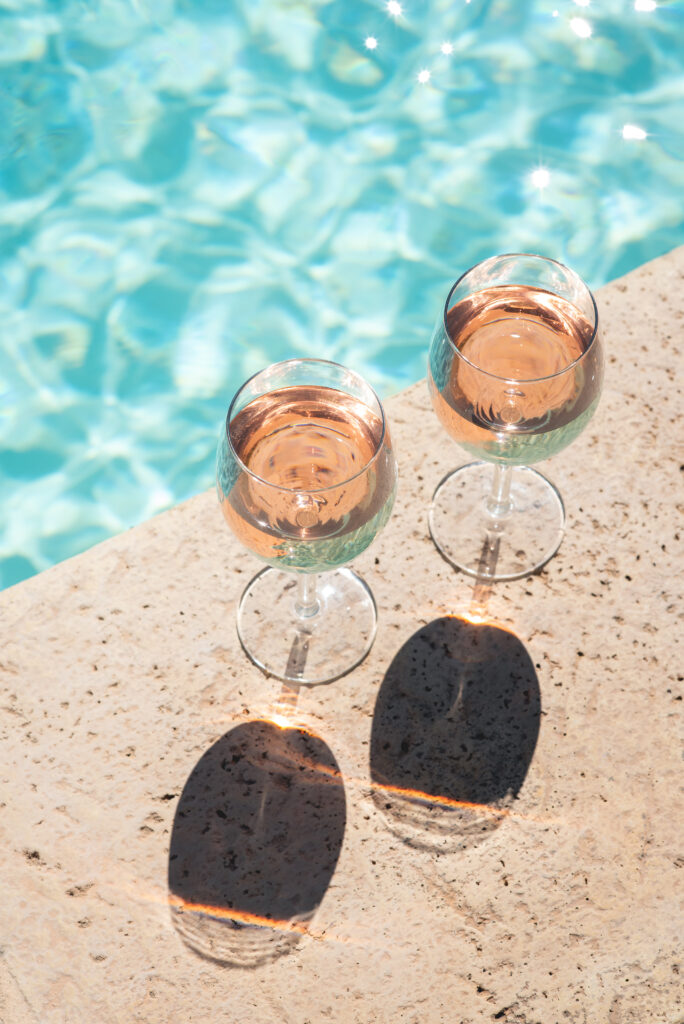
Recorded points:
(454, 729)
(255, 841)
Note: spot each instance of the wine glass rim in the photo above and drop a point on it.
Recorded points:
(318, 490)
(523, 380)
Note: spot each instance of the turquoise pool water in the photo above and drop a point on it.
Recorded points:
(191, 190)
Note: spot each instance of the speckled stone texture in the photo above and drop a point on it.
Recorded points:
(540, 879)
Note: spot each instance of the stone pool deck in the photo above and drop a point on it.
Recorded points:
(541, 883)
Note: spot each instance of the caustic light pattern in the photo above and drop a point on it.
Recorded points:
(190, 192)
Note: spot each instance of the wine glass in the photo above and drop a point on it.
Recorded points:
(306, 478)
(514, 373)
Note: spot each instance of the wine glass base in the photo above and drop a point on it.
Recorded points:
(312, 650)
(473, 541)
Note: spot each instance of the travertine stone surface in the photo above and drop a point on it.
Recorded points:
(128, 718)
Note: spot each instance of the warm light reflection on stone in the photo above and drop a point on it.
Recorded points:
(237, 917)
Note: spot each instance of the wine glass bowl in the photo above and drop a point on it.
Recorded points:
(306, 478)
(514, 373)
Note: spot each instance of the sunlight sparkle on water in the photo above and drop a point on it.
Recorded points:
(582, 3)
(580, 27)
(540, 177)
(447, 48)
(371, 43)
(424, 76)
(645, 5)
(394, 8)
(632, 131)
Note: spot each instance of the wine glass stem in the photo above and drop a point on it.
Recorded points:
(307, 603)
(498, 503)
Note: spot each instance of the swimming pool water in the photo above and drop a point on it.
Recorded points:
(191, 190)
